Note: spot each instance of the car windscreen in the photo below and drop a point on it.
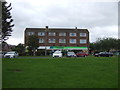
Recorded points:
(70, 52)
(57, 52)
(10, 52)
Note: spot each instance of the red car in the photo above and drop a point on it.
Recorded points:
(81, 54)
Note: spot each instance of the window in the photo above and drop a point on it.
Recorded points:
(62, 34)
(31, 33)
(83, 41)
(83, 34)
(51, 33)
(51, 40)
(72, 34)
(41, 40)
(72, 40)
(62, 40)
(41, 33)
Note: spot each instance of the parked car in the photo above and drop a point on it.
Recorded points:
(96, 54)
(11, 54)
(104, 54)
(81, 54)
(2, 54)
(71, 54)
(57, 54)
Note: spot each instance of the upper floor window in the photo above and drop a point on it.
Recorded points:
(31, 33)
(41, 33)
(72, 34)
(62, 34)
(83, 41)
(72, 40)
(82, 34)
(51, 40)
(41, 40)
(62, 40)
(51, 33)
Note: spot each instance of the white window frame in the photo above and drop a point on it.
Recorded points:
(83, 41)
(72, 34)
(30, 33)
(52, 33)
(52, 40)
(41, 33)
(62, 34)
(70, 40)
(83, 34)
(62, 40)
(41, 40)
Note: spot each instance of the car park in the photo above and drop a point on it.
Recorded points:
(71, 54)
(57, 54)
(11, 54)
(81, 54)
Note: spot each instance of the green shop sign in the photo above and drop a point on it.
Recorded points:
(61, 47)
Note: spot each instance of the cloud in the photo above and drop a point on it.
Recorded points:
(95, 16)
(106, 31)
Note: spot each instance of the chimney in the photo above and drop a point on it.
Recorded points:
(46, 27)
(75, 28)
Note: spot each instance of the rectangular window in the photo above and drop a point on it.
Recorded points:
(51, 40)
(62, 40)
(72, 40)
(72, 34)
(82, 34)
(41, 40)
(41, 33)
(31, 33)
(83, 41)
(51, 33)
(62, 34)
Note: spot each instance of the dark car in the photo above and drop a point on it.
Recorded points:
(104, 54)
(81, 54)
(96, 54)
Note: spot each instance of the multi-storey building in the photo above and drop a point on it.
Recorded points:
(60, 38)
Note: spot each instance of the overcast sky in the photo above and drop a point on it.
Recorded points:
(100, 18)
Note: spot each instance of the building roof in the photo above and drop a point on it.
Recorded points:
(65, 29)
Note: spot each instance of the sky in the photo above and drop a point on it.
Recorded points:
(100, 17)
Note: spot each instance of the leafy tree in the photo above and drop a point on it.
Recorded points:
(105, 44)
(6, 21)
(32, 43)
(20, 48)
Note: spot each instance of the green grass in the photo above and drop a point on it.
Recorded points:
(89, 72)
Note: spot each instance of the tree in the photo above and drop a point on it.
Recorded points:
(105, 44)
(32, 43)
(20, 48)
(6, 22)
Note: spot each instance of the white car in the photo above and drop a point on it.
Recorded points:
(11, 54)
(57, 54)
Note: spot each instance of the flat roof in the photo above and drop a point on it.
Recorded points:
(65, 29)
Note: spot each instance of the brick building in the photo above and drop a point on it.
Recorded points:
(60, 38)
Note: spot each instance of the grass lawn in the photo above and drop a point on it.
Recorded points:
(89, 72)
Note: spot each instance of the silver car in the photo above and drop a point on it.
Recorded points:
(71, 54)
(11, 54)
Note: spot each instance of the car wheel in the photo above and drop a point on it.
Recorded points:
(84, 56)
